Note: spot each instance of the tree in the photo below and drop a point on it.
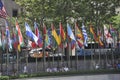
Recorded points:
(97, 11)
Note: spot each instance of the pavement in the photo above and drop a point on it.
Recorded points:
(78, 77)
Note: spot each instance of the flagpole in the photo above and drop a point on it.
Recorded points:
(17, 62)
(60, 24)
(1, 52)
(68, 51)
(36, 60)
(7, 59)
(99, 48)
(92, 56)
(76, 55)
(7, 62)
(36, 63)
(44, 59)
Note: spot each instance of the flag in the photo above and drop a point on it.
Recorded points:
(46, 37)
(3, 13)
(62, 32)
(93, 34)
(55, 35)
(100, 38)
(37, 33)
(71, 36)
(85, 35)
(8, 36)
(79, 36)
(47, 40)
(112, 31)
(30, 34)
(70, 33)
(20, 37)
(14, 39)
(107, 35)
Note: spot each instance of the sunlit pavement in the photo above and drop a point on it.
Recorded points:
(81, 77)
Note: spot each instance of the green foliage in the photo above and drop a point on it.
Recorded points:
(96, 11)
(4, 77)
(116, 21)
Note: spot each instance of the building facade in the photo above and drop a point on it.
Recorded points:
(12, 10)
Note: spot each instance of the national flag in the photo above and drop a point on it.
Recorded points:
(47, 40)
(55, 35)
(107, 35)
(46, 37)
(70, 33)
(30, 34)
(93, 33)
(79, 35)
(112, 31)
(62, 32)
(3, 12)
(85, 35)
(15, 41)
(100, 37)
(8, 36)
(71, 36)
(52, 41)
(37, 33)
(20, 37)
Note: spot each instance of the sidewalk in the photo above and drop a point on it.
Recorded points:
(81, 77)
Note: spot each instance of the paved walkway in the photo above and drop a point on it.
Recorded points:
(86, 77)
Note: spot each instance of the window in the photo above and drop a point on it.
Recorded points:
(15, 13)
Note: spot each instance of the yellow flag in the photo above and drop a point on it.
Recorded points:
(55, 35)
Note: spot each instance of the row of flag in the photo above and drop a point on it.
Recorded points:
(52, 37)
(55, 38)
(80, 37)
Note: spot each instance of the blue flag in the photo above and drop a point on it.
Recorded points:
(3, 13)
(30, 34)
(8, 36)
(70, 33)
(85, 35)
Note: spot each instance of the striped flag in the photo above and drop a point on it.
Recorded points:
(62, 32)
(70, 33)
(8, 36)
(37, 33)
(3, 13)
(93, 34)
(15, 40)
(79, 35)
(20, 37)
(100, 37)
(71, 36)
(30, 34)
(112, 31)
(107, 35)
(85, 35)
(55, 35)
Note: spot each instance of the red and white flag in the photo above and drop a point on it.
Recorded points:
(107, 35)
